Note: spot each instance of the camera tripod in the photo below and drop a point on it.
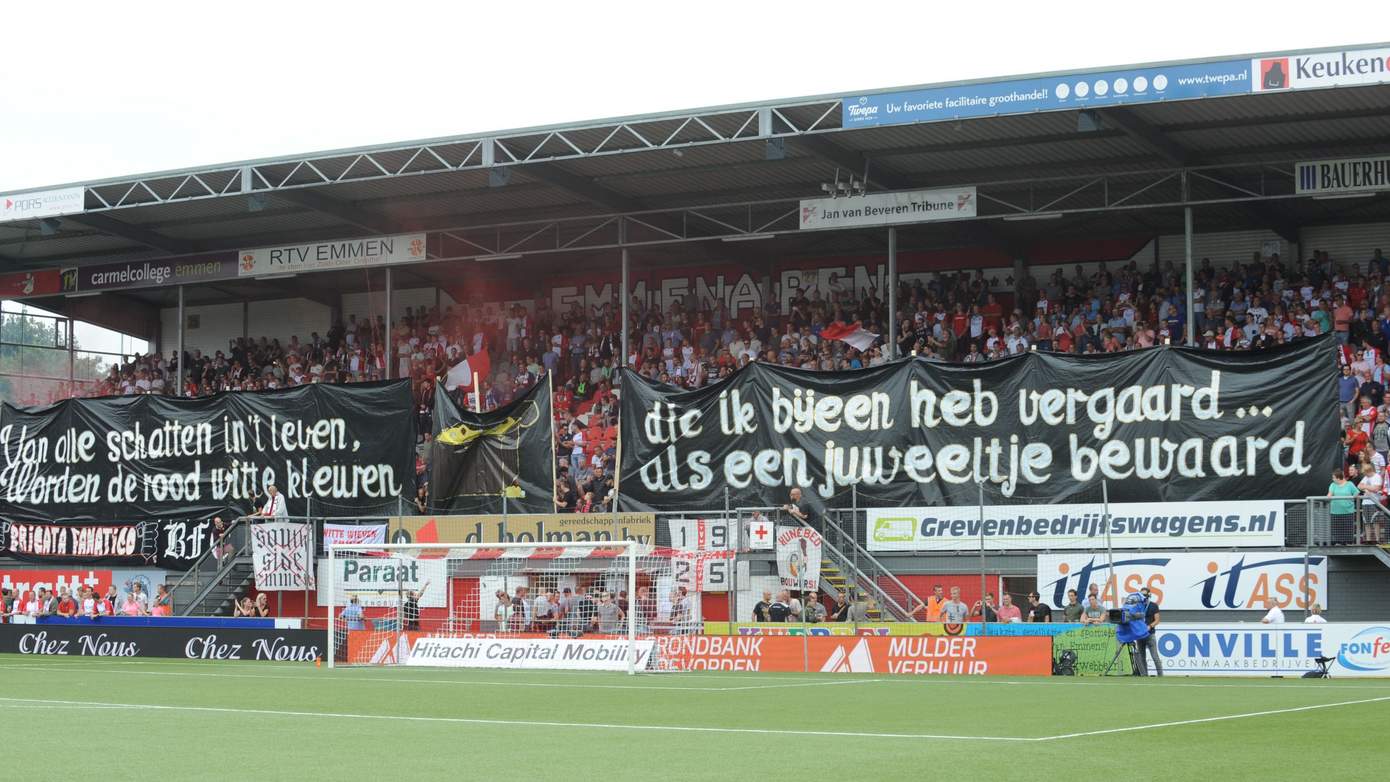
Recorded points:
(1132, 652)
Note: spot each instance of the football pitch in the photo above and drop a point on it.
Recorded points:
(107, 719)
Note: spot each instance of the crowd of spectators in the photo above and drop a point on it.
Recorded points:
(43, 603)
(571, 613)
(1259, 302)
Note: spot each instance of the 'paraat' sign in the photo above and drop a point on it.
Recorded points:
(387, 578)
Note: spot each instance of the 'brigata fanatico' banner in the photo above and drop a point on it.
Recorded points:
(172, 544)
(330, 449)
(1158, 425)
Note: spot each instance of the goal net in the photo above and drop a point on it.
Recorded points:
(578, 606)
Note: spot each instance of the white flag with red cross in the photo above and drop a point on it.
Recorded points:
(761, 534)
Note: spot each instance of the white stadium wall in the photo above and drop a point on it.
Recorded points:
(1350, 243)
(371, 304)
(217, 324)
(1222, 248)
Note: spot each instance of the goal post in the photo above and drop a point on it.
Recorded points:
(571, 605)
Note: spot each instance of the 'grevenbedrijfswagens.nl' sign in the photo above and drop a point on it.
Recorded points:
(348, 449)
(1160, 425)
(1210, 524)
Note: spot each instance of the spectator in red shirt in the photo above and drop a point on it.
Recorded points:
(67, 607)
(993, 313)
(1341, 319)
(1355, 441)
(1008, 612)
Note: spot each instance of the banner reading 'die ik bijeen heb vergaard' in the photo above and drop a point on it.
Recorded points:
(1160, 425)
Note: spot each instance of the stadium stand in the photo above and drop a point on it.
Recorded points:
(1245, 305)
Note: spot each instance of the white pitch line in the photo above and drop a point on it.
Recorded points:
(81, 662)
(469, 682)
(1202, 682)
(520, 723)
(1222, 718)
(66, 704)
(803, 684)
(370, 674)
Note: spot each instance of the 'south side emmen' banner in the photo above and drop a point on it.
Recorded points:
(282, 555)
(798, 558)
(1159, 425)
(477, 456)
(1190, 581)
(169, 544)
(348, 448)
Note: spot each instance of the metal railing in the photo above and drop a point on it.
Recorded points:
(210, 568)
(893, 596)
(1310, 523)
(847, 555)
(1351, 520)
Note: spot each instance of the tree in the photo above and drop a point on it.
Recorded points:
(34, 359)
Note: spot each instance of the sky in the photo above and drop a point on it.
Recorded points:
(96, 90)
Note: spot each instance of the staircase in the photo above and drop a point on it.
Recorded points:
(835, 581)
(850, 568)
(211, 586)
(218, 597)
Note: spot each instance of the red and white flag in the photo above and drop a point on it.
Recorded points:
(856, 336)
(461, 374)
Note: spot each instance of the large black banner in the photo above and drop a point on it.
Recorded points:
(330, 449)
(172, 544)
(1160, 424)
(98, 640)
(477, 456)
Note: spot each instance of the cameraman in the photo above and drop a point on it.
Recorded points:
(1148, 645)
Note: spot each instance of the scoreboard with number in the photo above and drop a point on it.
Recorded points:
(705, 553)
(702, 534)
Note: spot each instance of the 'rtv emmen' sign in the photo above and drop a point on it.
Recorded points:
(1348, 175)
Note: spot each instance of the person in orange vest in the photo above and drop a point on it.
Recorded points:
(935, 603)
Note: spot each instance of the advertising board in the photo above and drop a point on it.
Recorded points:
(96, 640)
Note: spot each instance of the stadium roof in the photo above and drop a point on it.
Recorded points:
(1114, 165)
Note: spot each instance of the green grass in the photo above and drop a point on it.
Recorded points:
(149, 720)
